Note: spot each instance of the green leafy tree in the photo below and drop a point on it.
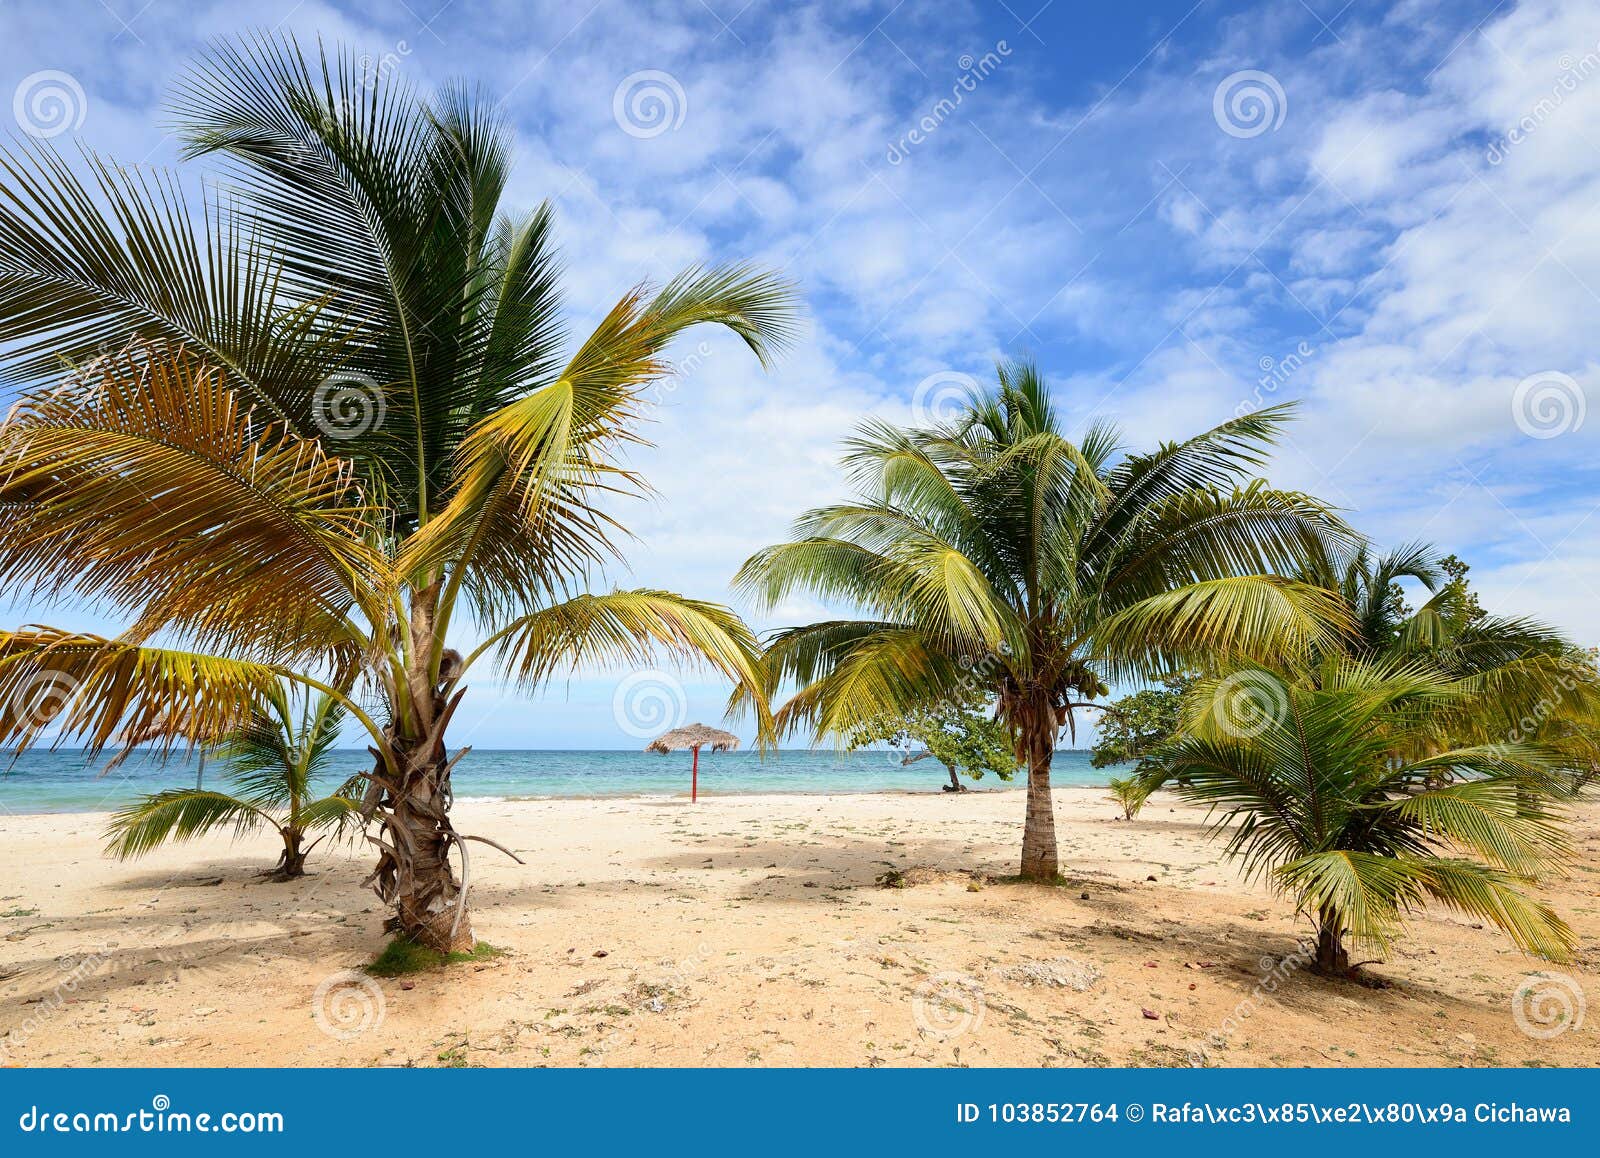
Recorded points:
(992, 550)
(1314, 793)
(1132, 726)
(274, 761)
(1521, 680)
(964, 737)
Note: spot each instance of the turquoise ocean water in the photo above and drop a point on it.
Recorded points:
(64, 781)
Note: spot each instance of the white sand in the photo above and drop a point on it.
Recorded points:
(745, 931)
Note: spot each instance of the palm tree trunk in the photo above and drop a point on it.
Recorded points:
(292, 861)
(1036, 745)
(414, 873)
(1332, 957)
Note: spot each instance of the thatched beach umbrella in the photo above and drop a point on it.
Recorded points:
(694, 737)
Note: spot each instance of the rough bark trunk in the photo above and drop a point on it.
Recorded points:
(1332, 957)
(414, 873)
(1036, 745)
(955, 784)
(292, 860)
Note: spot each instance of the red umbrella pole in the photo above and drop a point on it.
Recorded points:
(694, 776)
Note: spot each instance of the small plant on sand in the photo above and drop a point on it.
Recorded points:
(273, 761)
(1131, 793)
(1330, 784)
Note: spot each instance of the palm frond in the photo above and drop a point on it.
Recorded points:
(147, 483)
(628, 627)
(112, 693)
(1263, 617)
(85, 265)
(179, 814)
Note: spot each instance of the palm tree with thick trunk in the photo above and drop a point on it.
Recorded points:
(349, 426)
(994, 554)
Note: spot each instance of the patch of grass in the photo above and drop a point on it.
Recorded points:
(20, 913)
(401, 956)
(455, 1058)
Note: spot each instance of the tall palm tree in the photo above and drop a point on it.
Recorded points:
(994, 553)
(274, 759)
(1314, 798)
(349, 423)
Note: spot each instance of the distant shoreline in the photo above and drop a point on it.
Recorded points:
(64, 782)
(629, 797)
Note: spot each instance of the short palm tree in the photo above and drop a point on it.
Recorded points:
(993, 554)
(1313, 797)
(275, 760)
(349, 424)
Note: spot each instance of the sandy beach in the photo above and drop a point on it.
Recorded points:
(755, 931)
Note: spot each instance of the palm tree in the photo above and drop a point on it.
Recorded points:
(274, 759)
(1520, 679)
(346, 425)
(1312, 795)
(992, 553)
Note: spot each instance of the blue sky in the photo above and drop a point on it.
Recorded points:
(1388, 211)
